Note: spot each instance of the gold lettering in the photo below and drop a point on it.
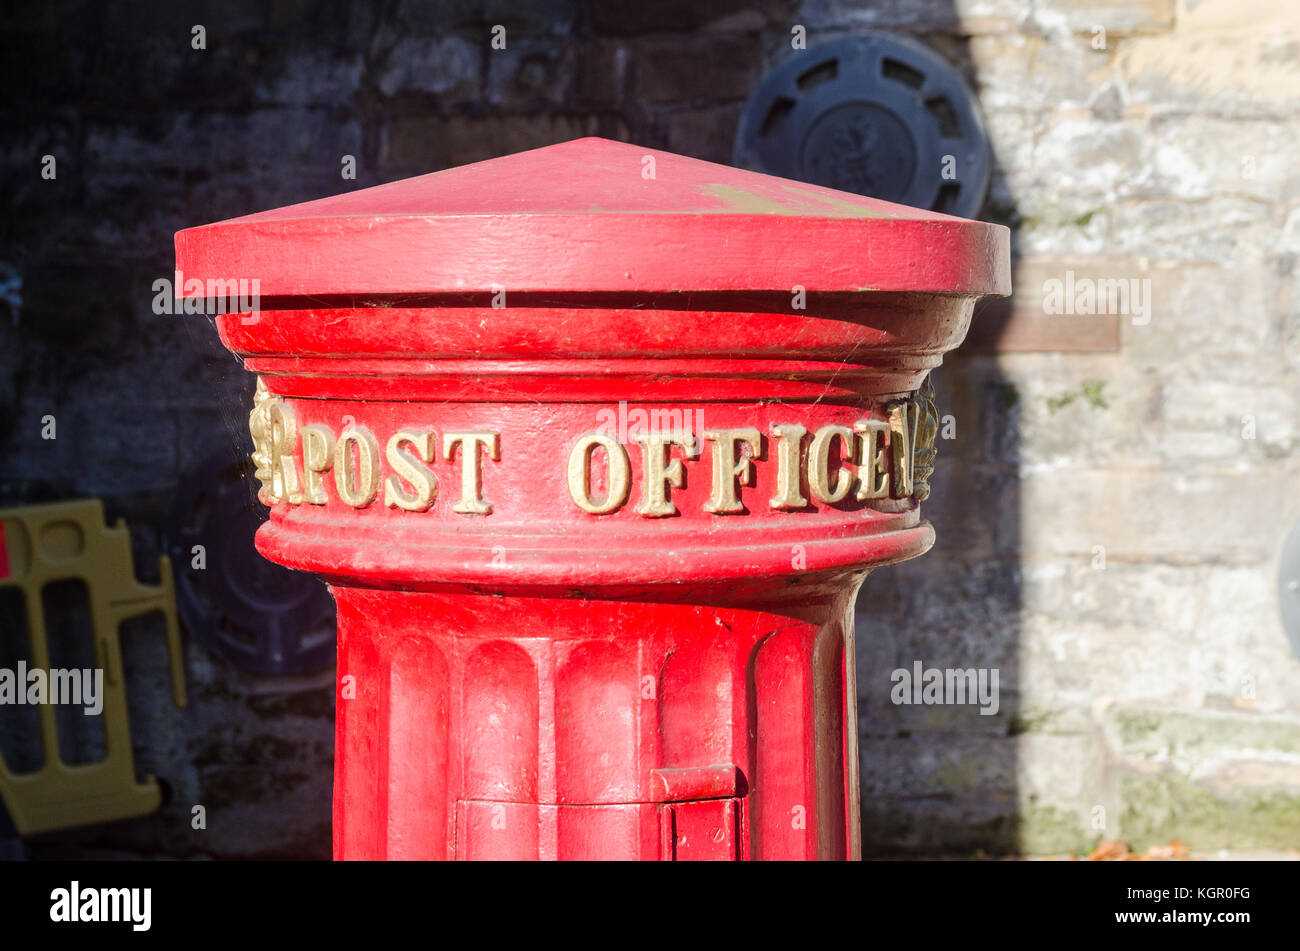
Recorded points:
(901, 418)
(789, 483)
(407, 466)
(617, 465)
(357, 485)
(471, 478)
(658, 473)
(819, 464)
(284, 471)
(872, 461)
(317, 457)
(876, 459)
(728, 468)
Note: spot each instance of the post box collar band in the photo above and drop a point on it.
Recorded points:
(613, 566)
(594, 216)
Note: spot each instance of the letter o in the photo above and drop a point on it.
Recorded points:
(360, 490)
(620, 473)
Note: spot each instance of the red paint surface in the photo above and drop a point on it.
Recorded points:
(582, 216)
(541, 682)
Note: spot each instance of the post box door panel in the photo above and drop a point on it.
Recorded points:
(707, 830)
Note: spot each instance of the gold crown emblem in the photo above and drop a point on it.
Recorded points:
(923, 448)
(259, 426)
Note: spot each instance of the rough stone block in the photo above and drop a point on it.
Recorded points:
(431, 143)
(710, 68)
(1198, 67)
(704, 133)
(447, 67)
(1172, 516)
(686, 16)
(601, 73)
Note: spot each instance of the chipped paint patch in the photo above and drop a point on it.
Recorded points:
(810, 203)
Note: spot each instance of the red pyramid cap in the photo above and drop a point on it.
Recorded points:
(593, 215)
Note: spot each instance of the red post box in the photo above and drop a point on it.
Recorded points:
(594, 446)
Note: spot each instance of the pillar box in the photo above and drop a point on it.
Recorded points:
(594, 446)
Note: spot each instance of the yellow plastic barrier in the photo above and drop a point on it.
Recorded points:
(40, 544)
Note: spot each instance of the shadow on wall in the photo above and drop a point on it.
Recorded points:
(942, 779)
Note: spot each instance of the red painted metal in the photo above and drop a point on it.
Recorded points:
(538, 681)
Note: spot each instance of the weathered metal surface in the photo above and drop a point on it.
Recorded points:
(595, 462)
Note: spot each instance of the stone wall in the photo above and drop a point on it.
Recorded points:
(1108, 522)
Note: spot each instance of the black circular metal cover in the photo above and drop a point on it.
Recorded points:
(1288, 587)
(257, 615)
(876, 114)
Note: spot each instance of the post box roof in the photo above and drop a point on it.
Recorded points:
(593, 215)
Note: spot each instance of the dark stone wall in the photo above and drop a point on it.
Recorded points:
(150, 135)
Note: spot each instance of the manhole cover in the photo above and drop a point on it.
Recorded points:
(879, 115)
(259, 616)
